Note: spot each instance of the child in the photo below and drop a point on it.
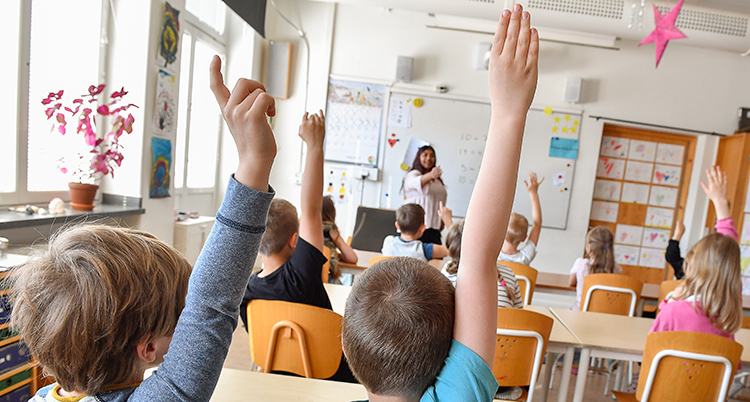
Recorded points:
(101, 304)
(717, 193)
(600, 259)
(518, 226)
(410, 222)
(333, 240)
(405, 335)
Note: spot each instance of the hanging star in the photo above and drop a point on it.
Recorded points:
(665, 30)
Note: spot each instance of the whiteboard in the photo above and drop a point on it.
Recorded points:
(457, 129)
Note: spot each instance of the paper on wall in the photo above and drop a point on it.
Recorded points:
(659, 217)
(655, 238)
(667, 175)
(615, 147)
(637, 193)
(607, 190)
(626, 255)
(745, 259)
(611, 168)
(411, 152)
(559, 178)
(638, 171)
(604, 211)
(745, 235)
(652, 258)
(642, 151)
(399, 113)
(663, 196)
(627, 234)
(670, 154)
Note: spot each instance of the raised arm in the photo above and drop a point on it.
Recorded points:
(716, 190)
(347, 253)
(313, 132)
(433, 174)
(512, 82)
(532, 186)
(446, 214)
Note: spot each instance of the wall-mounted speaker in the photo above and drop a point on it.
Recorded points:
(572, 92)
(403, 68)
(279, 68)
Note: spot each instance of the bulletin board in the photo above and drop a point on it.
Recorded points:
(639, 194)
(457, 129)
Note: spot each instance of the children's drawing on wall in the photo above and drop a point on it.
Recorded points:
(626, 255)
(353, 120)
(638, 171)
(745, 235)
(167, 53)
(642, 151)
(652, 258)
(627, 234)
(337, 184)
(399, 114)
(411, 152)
(655, 238)
(667, 175)
(604, 211)
(637, 193)
(663, 196)
(165, 106)
(611, 168)
(161, 163)
(607, 190)
(659, 217)
(615, 147)
(670, 154)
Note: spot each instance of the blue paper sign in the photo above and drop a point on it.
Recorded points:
(563, 148)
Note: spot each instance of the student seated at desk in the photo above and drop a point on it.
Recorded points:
(408, 335)
(518, 226)
(599, 259)
(333, 240)
(101, 304)
(410, 222)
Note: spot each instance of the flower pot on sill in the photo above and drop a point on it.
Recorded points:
(82, 196)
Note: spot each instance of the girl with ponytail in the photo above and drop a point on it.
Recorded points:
(599, 259)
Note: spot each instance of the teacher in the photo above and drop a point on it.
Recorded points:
(423, 186)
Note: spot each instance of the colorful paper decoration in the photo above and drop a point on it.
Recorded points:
(665, 30)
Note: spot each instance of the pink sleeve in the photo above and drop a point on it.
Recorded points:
(617, 269)
(578, 266)
(726, 227)
(413, 182)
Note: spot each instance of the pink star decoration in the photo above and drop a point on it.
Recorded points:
(665, 30)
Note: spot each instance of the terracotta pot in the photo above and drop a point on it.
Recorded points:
(82, 196)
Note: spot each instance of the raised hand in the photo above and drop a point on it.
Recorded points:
(716, 190)
(436, 172)
(313, 129)
(245, 110)
(532, 185)
(446, 214)
(679, 229)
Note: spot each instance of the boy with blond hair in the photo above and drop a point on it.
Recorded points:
(406, 337)
(518, 227)
(101, 304)
(410, 222)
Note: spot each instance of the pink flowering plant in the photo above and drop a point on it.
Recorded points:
(104, 150)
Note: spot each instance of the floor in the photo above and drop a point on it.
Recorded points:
(239, 358)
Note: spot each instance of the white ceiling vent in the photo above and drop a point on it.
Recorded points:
(600, 8)
(712, 22)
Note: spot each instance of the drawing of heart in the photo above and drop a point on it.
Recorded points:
(653, 236)
(660, 176)
(624, 236)
(392, 141)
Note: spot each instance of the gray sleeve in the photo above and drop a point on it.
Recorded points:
(204, 331)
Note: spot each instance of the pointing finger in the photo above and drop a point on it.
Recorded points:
(221, 92)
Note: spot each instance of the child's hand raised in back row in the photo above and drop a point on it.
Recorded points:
(245, 110)
(716, 190)
(313, 129)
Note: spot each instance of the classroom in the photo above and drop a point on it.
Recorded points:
(692, 97)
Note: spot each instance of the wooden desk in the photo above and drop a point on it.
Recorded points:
(338, 295)
(607, 336)
(241, 386)
(363, 261)
(560, 282)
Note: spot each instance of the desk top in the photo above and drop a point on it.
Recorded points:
(560, 333)
(338, 295)
(743, 338)
(364, 257)
(611, 332)
(241, 386)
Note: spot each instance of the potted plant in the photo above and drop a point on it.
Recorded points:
(104, 151)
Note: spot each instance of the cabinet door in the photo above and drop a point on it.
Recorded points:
(733, 154)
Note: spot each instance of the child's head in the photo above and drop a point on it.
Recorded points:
(518, 227)
(328, 213)
(282, 227)
(714, 279)
(398, 326)
(85, 303)
(410, 219)
(600, 249)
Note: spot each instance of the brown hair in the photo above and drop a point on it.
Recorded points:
(410, 218)
(714, 280)
(518, 227)
(282, 223)
(328, 211)
(83, 304)
(601, 252)
(453, 243)
(398, 326)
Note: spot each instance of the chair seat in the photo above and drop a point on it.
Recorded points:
(624, 396)
(524, 396)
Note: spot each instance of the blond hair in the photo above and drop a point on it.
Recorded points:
(601, 250)
(518, 227)
(83, 304)
(713, 279)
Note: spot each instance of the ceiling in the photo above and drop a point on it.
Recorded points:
(735, 6)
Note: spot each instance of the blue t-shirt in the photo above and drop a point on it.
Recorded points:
(465, 377)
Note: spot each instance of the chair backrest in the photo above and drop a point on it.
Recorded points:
(611, 294)
(665, 291)
(522, 339)
(687, 366)
(327, 265)
(371, 226)
(526, 277)
(373, 260)
(745, 322)
(295, 338)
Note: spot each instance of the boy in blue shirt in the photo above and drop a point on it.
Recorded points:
(405, 335)
(410, 222)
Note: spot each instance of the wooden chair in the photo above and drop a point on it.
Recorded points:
(685, 366)
(665, 291)
(327, 265)
(522, 339)
(294, 338)
(526, 277)
(611, 294)
(373, 260)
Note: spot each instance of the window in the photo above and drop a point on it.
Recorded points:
(211, 12)
(10, 30)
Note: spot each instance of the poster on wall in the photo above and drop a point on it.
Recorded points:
(337, 184)
(626, 255)
(168, 48)
(642, 151)
(604, 211)
(161, 164)
(667, 175)
(655, 238)
(628, 234)
(353, 122)
(638, 171)
(637, 193)
(652, 258)
(165, 105)
(607, 190)
(670, 154)
(609, 168)
(615, 147)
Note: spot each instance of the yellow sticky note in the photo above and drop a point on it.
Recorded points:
(547, 110)
(404, 167)
(417, 102)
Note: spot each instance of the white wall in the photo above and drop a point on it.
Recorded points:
(692, 88)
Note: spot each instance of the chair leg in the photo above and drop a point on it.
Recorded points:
(547, 376)
(555, 360)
